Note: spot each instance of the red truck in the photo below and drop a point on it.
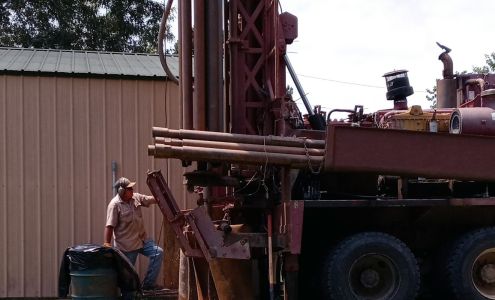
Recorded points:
(395, 204)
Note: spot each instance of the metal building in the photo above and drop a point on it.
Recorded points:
(64, 117)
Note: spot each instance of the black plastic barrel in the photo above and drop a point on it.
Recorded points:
(94, 272)
(97, 283)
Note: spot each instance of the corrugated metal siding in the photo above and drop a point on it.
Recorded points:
(58, 137)
(85, 62)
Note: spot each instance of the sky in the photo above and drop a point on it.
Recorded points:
(358, 41)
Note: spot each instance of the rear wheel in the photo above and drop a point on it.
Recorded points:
(371, 266)
(471, 266)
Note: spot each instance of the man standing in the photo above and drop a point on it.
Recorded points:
(125, 223)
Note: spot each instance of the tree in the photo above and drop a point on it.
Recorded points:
(109, 25)
(431, 94)
(489, 67)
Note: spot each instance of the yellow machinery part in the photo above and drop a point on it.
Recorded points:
(416, 120)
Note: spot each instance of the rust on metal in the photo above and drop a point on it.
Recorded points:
(215, 111)
(288, 225)
(446, 93)
(185, 58)
(473, 120)
(211, 242)
(239, 146)
(233, 279)
(169, 208)
(234, 156)
(488, 98)
(199, 97)
(238, 138)
(255, 47)
(401, 152)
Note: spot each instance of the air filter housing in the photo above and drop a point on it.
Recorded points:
(398, 87)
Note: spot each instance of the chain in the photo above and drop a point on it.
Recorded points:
(310, 165)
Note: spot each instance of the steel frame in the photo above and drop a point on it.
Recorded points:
(257, 74)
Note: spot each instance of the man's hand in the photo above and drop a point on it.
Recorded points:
(107, 237)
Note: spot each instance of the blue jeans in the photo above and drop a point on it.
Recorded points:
(155, 255)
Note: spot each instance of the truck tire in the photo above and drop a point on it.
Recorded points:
(471, 266)
(371, 266)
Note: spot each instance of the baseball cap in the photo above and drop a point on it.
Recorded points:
(124, 183)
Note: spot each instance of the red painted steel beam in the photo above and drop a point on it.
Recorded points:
(257, 71)
(409, 153)
(170, 210)
(212, 242)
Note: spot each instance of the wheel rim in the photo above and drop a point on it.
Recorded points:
(374, 277)
(483, 273)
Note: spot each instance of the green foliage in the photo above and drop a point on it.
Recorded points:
(175, 49)
(108, 25)
(489, 67)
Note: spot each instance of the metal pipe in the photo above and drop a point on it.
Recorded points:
(213, 62)
(473, 120)
(237, 138)
(350, 111)
(239, 146)
(234, 156)
(226, 67)
(446, 87)
(298, 85)
(161, 41)
(474, 81)
(271, 273)
(446, 93)
(199, 112)
(185, 57)
(448, 65)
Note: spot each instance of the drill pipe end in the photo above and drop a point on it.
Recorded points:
(161, 151)
(159, 131)
(151, 150)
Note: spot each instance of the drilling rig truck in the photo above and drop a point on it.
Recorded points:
(395, 204)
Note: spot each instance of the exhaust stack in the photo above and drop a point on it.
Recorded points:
(446, 87)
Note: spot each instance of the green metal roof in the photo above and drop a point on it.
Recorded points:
(84, 62)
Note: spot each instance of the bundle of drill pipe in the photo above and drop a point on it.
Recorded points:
(195, 145)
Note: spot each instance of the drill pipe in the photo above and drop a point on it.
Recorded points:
(239, 146)
(234, 156)
(237, 138)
